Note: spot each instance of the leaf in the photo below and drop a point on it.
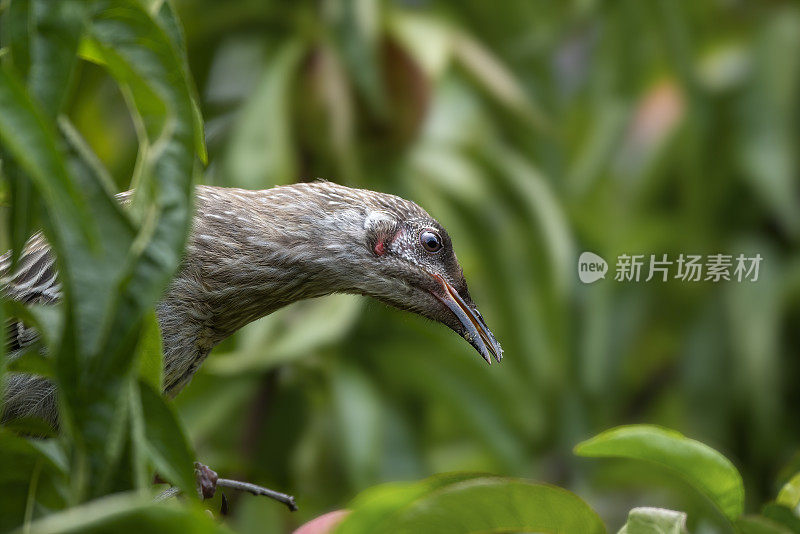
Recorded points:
(168, 20)
(19, 458)
(766, 139)
(3, 357)
(654, 521)
(356, 25)
(150, 353)
(782, 515)
(375, 507)
(29, 140)
(700, 465)
(23, 208)
(119, 286)
(497, 79)
(289, 334)
(55, 33)
(427, 40)
(260, 152)
(165, 441)
(125, 513)
(358, 414)
(15, 35)
(33, 362)
(488, 504)
(755, 524)
(789, 495)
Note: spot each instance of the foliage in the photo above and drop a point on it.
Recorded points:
(532, 132)
(710, 472)
(464, 502)
(113, 264)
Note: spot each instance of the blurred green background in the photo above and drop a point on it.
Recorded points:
(533, 130)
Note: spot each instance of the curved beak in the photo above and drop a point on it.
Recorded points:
(476, 332)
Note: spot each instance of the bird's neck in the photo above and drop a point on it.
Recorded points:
(252, 252)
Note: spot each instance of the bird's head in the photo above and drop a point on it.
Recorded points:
(406, 259)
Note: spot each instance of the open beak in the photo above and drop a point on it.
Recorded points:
(475, 330)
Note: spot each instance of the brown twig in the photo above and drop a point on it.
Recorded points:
(288, 500)
(208, 482)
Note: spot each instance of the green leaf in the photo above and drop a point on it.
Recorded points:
(125, 513)
(23, 208)
(55, 33)
(150, 353)
(168, 20)
(704, 468)
(19, 458)
(165, 441)
(356, 25)
(789, 495)
(289, 334)
(782, 515)
(358, 414)
(122, 284)
(260, 147)
(654, 521)
(32, 361)
(375, 507)
(496, 78)
(3, 357)
(483, 504)
(756, 524)
(31, 142)
(15, 35)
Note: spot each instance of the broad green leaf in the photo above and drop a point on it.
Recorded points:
(168, 20)
(31, 142)
(31, 426)
(291, 333)
(166, 444)
(756, 524)
(358, 413)
(490, 72)
(15, 35)
(766, 145)
(789, 494)
(24, 206)
(427, 39)
(783, 515)
(260, 147)
(356, 25)
(654, 521)
(704, 468)
(125, 513)
(494, 504)
(55, 28)
(150, 353)
(374, 508)
(141, 57)
(19, 458)
(3, 357)
(32, 361)
(50, 33)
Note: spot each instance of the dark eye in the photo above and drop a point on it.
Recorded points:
(430, 241)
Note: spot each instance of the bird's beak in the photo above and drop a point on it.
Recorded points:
(475, 330)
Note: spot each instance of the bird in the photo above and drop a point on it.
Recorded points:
(252, 252)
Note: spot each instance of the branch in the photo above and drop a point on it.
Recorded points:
(208, 482)
(288, 500)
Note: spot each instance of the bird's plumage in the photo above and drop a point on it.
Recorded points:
(252, 252)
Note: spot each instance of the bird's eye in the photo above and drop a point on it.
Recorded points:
(430, 241)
